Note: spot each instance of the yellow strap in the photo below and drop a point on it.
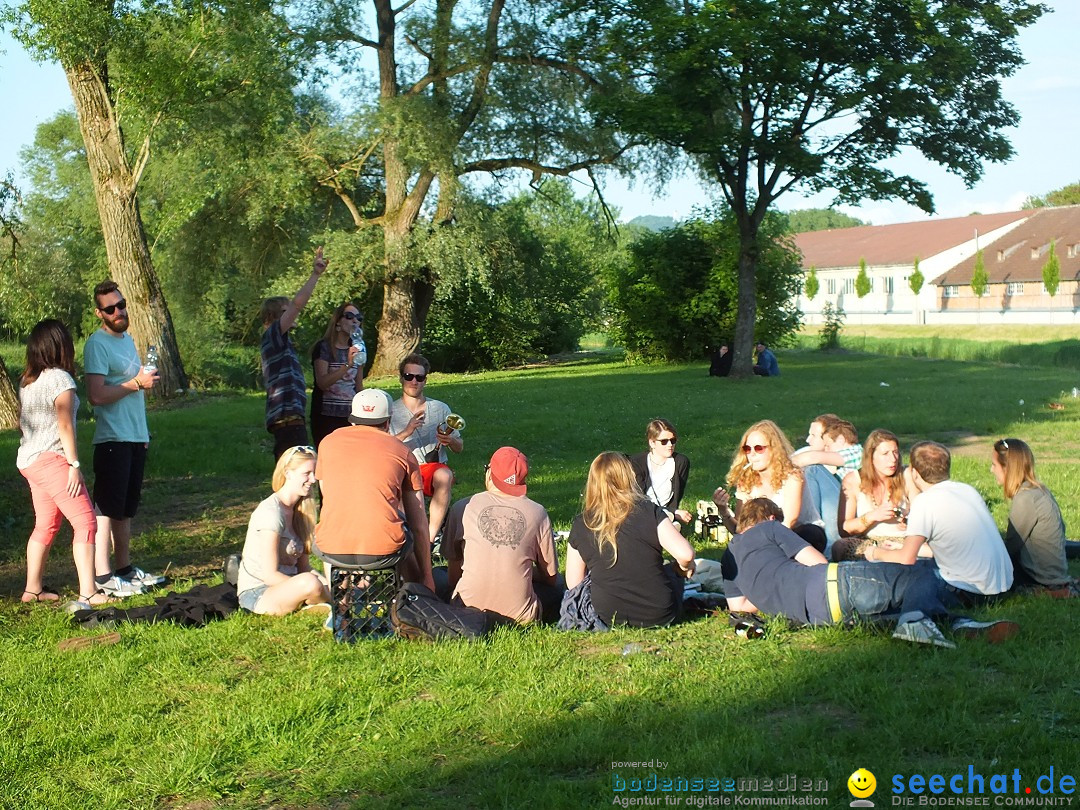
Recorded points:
(833, 592)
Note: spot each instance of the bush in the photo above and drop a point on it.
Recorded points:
(676, 292)
(829, 337)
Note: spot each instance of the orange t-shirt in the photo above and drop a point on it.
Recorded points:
(364, 473)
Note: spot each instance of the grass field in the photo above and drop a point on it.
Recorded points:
(257, 712)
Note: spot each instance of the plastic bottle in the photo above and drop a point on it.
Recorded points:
(357, 340)
(151, 359)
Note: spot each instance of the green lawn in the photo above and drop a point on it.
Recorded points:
(257, 712)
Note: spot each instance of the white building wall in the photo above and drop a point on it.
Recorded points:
(902, 306)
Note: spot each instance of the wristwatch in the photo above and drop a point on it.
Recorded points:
(74, 464)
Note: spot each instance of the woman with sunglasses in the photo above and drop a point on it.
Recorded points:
(762, 468)
(338, 374)
(619, 541)
(48, 459)
(275, 575)
(1035, 536)
(661, 472)
(873, 501)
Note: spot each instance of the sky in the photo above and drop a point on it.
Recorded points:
(1046, 92)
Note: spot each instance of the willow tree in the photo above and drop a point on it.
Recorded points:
(146, 67)
(460, 89)
(769, 96)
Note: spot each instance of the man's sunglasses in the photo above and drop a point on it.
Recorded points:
(407, 377)
(352, 316)
(667, 441)
(109, 310)
(757, 448)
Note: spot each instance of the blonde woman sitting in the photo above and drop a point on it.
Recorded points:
(762, 468)
(275, 574)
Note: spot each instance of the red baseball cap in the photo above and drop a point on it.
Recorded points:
(509, 468)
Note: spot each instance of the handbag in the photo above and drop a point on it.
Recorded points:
(417, 613)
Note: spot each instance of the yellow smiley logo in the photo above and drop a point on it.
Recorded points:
(861, 783)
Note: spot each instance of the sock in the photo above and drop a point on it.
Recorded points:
(102, 579)
(123, 572)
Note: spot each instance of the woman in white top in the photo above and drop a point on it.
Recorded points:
(661, 472)
(49, 460)
(762, 468)
(275, 574)
(873, 504)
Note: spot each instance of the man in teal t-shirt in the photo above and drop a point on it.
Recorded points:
(115, 381)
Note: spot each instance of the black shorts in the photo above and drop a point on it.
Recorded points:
(118, 478)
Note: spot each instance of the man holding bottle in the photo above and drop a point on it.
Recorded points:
(115, 381)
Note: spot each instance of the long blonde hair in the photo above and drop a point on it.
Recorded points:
(611, 493)
(742, 476)
(1016, 458)
(304, 512)
(868, 476)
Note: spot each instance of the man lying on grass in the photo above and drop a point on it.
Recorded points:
(769, 568)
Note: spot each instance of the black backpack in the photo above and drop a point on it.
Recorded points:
(417, 613)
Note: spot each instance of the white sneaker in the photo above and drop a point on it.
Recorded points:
(118, 586)
(923, 631)
(140, 577)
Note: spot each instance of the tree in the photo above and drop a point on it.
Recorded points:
(474, 88)
(862, 280)
(1051, 271)
(675, 292)
(812, 286)
(979, 278)
(820, 219)
(154, 67)
(916, 279)
(769, 95)
(1067, 195)
(9, 233)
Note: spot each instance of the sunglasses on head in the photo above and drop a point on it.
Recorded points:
(410, 377)
(306, 448)
(352, 316)
(757, 448)
(666, 442)
(109, 310)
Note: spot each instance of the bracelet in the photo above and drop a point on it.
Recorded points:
(138, 384)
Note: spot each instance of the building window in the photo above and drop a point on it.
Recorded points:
(849, 286)
(1073, 251)
(1014, 288)
(888, 284)
(830, 286)
(951, 291)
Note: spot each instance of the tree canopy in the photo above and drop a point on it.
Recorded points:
(820, 219)
(770, 95)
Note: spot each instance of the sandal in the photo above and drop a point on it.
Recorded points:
(46, 594)
(88, 602)
(84, 642)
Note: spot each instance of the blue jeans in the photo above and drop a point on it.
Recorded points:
(824, 490)
(878, 589)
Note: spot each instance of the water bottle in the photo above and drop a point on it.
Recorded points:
(151, 359)
(357, 340)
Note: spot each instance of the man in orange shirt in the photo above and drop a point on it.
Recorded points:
(373, 500)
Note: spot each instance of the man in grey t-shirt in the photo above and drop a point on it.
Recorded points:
(419, 423)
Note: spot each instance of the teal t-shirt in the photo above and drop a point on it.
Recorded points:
(116, 358)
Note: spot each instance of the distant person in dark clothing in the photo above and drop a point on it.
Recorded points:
(766, 365)
(720, 365)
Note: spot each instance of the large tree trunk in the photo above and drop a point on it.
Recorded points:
(115, 188)
(742, 364)
(9, 402)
